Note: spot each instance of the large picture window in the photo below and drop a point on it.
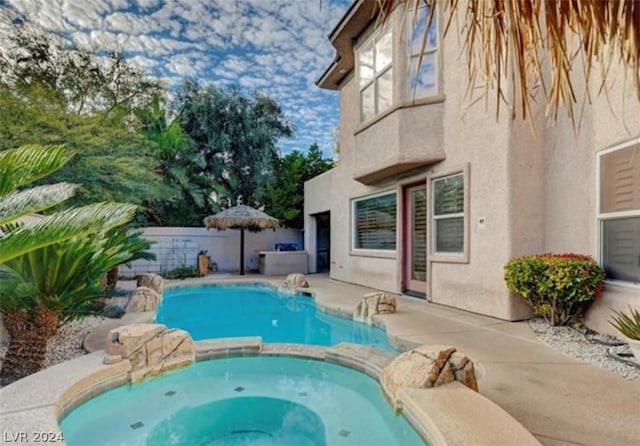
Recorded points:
(374, 222)
(448, 214)
(423, 54)
(619, 216)
(376, 75)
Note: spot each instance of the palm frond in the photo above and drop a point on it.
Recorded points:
(33, 200)
(65, 277)
(63, 226)
(29, 163)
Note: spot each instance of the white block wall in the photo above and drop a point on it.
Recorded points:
(180, 246)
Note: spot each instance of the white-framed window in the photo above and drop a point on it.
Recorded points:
(423, 53)
(375, 74)
(448, 214)
(374, 222)
(619, 212)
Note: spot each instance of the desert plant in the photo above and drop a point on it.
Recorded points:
(137, 246)
(47, 287)
(44, 277)
(559, 287)
(22, 166)
(627, 324)
(182, 272)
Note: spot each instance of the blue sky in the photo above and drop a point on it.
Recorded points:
(277, 46)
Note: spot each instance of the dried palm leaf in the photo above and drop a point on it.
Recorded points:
(539, 45)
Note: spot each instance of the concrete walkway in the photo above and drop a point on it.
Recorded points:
(561, 400)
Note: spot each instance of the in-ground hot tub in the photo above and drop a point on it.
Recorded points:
(263, 400)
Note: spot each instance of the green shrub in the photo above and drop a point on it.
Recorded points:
(182, 272)
(627, 324)
(559, 287)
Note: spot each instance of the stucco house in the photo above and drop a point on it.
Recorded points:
(432, 196)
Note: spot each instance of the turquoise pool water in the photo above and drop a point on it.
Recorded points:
(242, 401)
(254, 310)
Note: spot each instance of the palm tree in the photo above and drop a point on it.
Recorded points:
(180, 161)
(48, 267)
(520, 42)
(27, 164)
(50, 286)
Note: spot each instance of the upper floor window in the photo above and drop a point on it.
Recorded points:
(423, 54)
(376, 75)
(619, 213)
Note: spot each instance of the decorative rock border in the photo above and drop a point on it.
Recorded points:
(374, 303)
(450, 414)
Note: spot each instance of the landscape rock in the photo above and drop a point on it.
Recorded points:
(372, 304)
(143, 299)
(425, 367)
(150, 348)
(293, 282)
(153, 281)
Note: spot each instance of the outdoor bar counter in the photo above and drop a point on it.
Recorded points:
(279, 263)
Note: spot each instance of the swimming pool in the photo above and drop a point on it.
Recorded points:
(238, 401)
(258, 310)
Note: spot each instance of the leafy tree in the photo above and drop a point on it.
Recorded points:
(284, 197)
(70, 244)
(238, 137)
(181, 166)
(51, 93)
(84, 81)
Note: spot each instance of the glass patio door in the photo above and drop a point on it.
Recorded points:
(415, 240)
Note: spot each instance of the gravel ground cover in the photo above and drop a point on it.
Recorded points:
(65, 345)
(601, 350)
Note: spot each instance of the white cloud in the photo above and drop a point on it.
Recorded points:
(276, 46)
(147, 4)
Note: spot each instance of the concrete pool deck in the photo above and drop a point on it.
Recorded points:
(560, 400)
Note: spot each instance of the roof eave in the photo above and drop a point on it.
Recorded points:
(351, 25)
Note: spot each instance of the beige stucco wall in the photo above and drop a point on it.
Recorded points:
(476, 137)
(471, 139)
(533, 183)
(571, 182)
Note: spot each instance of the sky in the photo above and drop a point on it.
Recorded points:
(279, 47)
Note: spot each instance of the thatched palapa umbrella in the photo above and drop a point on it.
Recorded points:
(241, 217)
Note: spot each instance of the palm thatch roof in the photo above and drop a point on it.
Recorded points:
(241, 217)
(540, 47)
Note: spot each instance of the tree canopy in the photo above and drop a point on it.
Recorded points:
(284, 196)
(180, 161)
(181, 165)
(238, 137)
(51, 94)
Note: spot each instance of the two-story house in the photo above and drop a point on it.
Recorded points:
(432, 196)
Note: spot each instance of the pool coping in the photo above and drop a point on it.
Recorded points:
(442, 416)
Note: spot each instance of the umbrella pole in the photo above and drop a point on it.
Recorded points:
(242, 251)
